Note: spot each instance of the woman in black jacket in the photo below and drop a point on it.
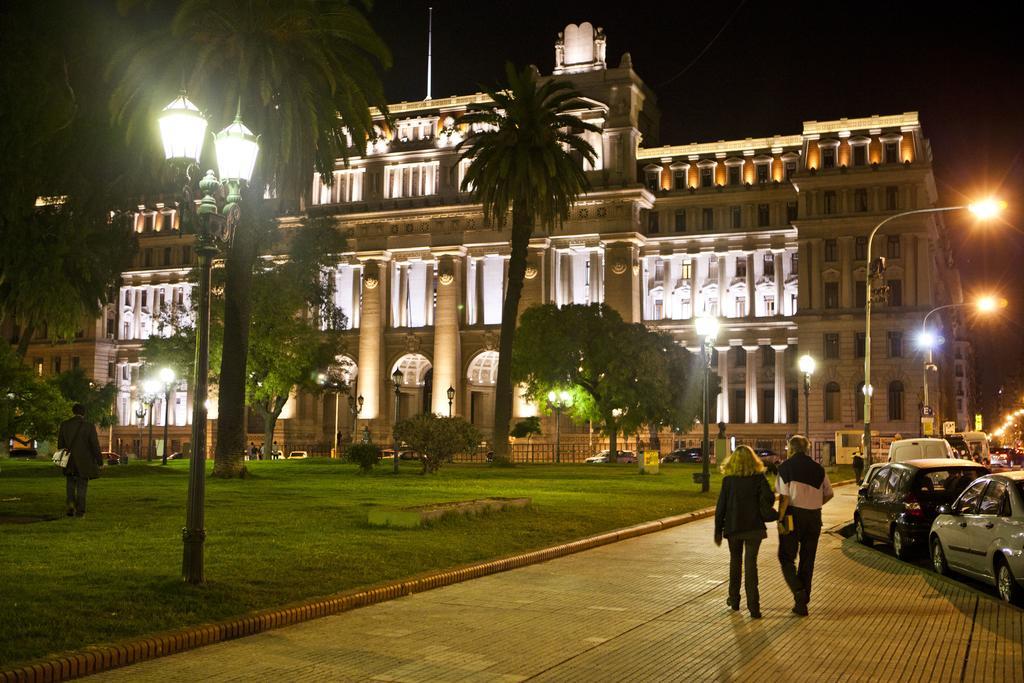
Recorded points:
(744, 505)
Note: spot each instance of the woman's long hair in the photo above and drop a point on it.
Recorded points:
(742, 462)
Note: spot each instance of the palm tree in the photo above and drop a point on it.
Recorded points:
(521, 161)
(306, 73)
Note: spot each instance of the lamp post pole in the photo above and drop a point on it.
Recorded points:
(984, 209)
(396, 379)
(149, 449)
(183, 129)
(806, 363)
(707, 329)
(451, 399)
(559, 400)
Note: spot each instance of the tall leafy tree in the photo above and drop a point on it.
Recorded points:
(522, 162)
(30, 407)
(306, 73)
(621, 374)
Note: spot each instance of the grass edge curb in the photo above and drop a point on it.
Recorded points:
(96, 659)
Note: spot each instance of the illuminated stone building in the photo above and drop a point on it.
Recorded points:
(769, 234)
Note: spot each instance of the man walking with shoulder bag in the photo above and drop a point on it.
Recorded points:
(803, 489)
(79, 437)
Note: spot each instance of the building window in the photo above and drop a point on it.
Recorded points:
(895, 344)
(828, 157)
(741, 307)
(652, 222)
(860, 295)
(892, 198)
(860, 155)
(860, 249)
(186, 255)
(832, 402)
(892, 152)
(55, 364)
(734, 175)
(896, 400)
(736, 217)
(794, 262)
(762, 173)
(739, 357)
(829, 201)
(831, 295)
(679, 179)
(687, 270)
(411, 180)
(653, 180)
(769, 305)
(831, 250)
(762, 215)
(75, 362)
(680, 224)
(707, 176)
(895, 292)
(708, 222)
(860, 200)
(741, 266)
(38, 365)
(147, 258)
(892, 246)
(858, 344)
(790, 169)
(831, 346)
(792, 211)
(769, 265)
(959, 405)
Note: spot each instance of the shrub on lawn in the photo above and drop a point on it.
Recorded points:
(366, 455)
(437, 438)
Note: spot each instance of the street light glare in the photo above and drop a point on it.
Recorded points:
(990, 303)
(927, 340)
(707, 326)
(166, 375)
(182, 129)
(151, 386)
(807, 364)
(987, 208)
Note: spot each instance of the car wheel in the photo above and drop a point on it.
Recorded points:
(939, 558)
(899, 544)
(859, 530)
(1009, 591)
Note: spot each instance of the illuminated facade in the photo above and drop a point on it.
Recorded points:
(769, 234)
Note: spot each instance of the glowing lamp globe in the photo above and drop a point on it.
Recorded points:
(166, 375)
(182, 128)
(565, 397)
(987, 208)
(707, 327)
(927, 340)
(236, 152)
(151, 386)
(807, 364)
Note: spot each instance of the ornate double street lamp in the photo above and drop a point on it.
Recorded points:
(928, 340)
(707, 330)
(559, 400)
(183, 129)
(807, 366)
(983, 210)
(355, 406)
(331, 383)
(167, 379)
(396, 379)
(149, 390)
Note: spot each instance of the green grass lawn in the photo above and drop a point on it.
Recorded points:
(294, 530)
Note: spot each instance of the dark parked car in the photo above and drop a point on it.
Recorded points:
(684, 455)
(899, 502)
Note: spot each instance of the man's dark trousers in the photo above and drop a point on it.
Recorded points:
(801, 542)
(77, 486)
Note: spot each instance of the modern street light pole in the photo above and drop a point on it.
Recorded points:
(707, 330)
(983, 210)
(167, 378)
(396, 379)
(807, 366)
(183, 129)
(149, 389)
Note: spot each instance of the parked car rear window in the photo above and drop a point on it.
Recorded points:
(946, 484)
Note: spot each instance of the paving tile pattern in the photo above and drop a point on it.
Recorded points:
(646, 609)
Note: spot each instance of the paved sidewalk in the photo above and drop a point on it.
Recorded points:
(647, 609)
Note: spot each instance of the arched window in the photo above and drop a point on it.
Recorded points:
(896, 400)
(858, 402)
(832, 407)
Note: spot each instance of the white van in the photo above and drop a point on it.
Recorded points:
(977, 445)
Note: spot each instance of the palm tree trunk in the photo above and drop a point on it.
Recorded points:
(521, 231)
(613, 439)
(25, 339)
(229, 460)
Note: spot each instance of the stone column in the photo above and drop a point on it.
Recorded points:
(479, 291)
(595, 276)
(402, 314)
(723, 374)
(751, 388)
(780, 383)
(751, 305)
(803, 279)
(723, 282)
(371, 338)
(694, 263)
(446, 336)
(780, 285)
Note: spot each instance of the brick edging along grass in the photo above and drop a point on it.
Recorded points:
(103, 658)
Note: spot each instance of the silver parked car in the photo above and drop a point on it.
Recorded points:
(982, 534)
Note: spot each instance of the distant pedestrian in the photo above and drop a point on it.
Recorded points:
(275, 452)
(803, 489)
(858, 467)
(80, 438)
(744, 505)
(254, 451)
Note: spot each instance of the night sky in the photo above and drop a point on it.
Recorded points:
(775, 65)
